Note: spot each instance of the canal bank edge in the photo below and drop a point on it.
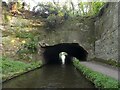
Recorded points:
(100, 80)
(110, 62)
(7, 78)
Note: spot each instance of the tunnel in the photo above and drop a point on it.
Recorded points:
(51, 53)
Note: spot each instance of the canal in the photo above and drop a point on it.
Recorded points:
(50, 76)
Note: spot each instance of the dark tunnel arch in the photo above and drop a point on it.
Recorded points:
(51, 53)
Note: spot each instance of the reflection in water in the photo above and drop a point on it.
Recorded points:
(50, 76)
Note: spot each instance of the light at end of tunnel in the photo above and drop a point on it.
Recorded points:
(62, 56)
(63, 59)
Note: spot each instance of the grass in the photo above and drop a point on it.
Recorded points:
(100, 80)
(11, 68)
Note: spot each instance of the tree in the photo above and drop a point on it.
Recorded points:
(72, 7)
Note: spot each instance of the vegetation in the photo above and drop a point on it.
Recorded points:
(100, 80)
(82, 8)
(57, 14)
(11, 68)
(19, 42)
(54, 12)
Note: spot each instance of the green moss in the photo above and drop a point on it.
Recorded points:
(100, 80)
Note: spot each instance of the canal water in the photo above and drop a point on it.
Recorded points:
(50, 76)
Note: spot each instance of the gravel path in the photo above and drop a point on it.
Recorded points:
(102, 68)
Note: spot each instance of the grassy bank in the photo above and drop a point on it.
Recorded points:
(12, 68)
(100, 80)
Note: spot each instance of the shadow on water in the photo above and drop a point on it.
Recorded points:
(51, 76)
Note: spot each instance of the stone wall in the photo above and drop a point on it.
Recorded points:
(119, 32)
(106, 32)
(77, 30)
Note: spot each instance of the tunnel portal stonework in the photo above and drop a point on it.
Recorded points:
(97, 35)
(79, 31)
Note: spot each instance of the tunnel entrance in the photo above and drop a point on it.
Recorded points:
(63, 53)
